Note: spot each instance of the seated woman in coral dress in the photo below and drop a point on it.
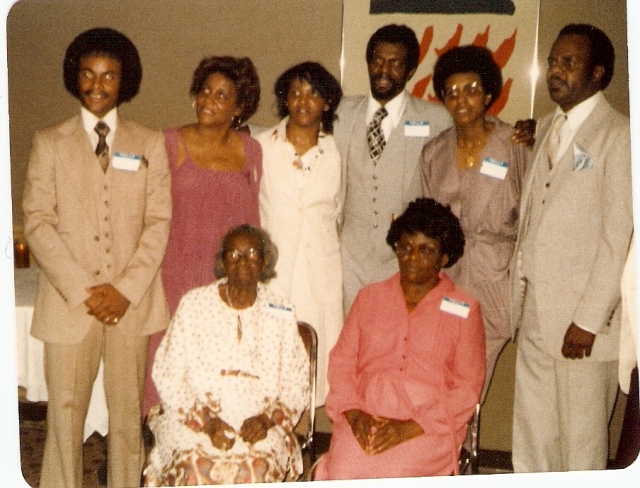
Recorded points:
(408, 367)
(233, 376)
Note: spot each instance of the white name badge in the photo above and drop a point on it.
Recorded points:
(127, 162)
(455, 307)
(416, 128)
(280, 311)
(494, 168)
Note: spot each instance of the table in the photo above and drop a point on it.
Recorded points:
(31, 359)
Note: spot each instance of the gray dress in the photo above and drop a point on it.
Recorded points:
(487, 207)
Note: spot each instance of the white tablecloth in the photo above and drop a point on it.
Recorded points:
(30, 356)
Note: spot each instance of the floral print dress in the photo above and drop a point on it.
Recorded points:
(216, 361)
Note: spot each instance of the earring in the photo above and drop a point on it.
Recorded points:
(193, 104)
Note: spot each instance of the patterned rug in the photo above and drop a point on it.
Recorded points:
(32, 435)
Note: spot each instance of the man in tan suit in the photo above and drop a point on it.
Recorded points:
(97, 206)
(575, 228)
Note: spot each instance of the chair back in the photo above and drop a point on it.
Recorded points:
(468, 461)
(310, 340)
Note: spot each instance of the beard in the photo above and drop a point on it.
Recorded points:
(385, 93)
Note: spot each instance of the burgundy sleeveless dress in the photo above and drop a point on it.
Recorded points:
(206, 204)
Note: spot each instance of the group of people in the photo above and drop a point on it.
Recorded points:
(415, 237)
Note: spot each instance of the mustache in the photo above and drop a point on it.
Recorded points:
(380, 77)
(556, 80)
(102, 94)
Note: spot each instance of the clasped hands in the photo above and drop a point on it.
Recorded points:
(377, 434)
(106, 303)
(223, 436)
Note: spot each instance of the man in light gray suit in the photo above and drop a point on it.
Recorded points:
(575, 229)
(378, 182)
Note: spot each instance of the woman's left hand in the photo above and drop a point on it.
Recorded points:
(255, 429)
(392, 433)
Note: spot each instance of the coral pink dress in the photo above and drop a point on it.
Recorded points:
(426, 365)
(206, 204)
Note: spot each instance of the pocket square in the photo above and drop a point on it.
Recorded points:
(581, 160)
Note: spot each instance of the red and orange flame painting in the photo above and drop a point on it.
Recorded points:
(501, 56)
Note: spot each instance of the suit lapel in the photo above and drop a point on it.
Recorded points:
(538, 153)
(355, 128)
(411, 145)
(79, 163)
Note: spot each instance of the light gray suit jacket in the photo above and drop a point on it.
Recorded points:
(373, 195)
(87, 228)
(579, 240)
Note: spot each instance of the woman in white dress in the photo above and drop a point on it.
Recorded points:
(300, 202)
(233, 377)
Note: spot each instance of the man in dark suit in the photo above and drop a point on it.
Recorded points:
(97, 206)
(574, 234)
(379, 182)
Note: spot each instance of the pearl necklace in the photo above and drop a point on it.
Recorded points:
(239, 326)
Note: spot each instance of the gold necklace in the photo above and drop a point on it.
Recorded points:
(239, 326)
(469, 154)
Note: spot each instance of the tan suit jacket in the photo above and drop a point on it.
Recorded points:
(87, 228)
(582, 235)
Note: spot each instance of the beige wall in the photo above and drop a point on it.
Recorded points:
(172, 36)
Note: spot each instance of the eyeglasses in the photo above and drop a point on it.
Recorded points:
(567, 63)
(425, 251)
(233, 256)
(108, 77)
(470, 91)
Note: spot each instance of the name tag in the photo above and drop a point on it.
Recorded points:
(416, 128)
(455, 307)
(494, 168)
(127, 162)
(280, 311)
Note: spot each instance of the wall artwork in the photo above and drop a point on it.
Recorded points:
(508, 32)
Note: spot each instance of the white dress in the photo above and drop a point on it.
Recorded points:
(233, 364)
(299, 207)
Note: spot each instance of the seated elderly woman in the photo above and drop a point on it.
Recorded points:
(232, 375)
(408, 367)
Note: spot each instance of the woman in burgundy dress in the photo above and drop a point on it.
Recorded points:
(215, 171)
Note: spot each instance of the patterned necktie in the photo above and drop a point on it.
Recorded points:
(375, 137)
(102, 149)
(553, 144)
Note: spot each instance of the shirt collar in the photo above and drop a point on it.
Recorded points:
(395, 107)
(89, 120)
(280, 133)
(578, 114)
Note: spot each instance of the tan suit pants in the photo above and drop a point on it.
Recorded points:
(562, 407)
(70, 370)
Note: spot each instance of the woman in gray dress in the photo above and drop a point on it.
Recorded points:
(477, 169)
